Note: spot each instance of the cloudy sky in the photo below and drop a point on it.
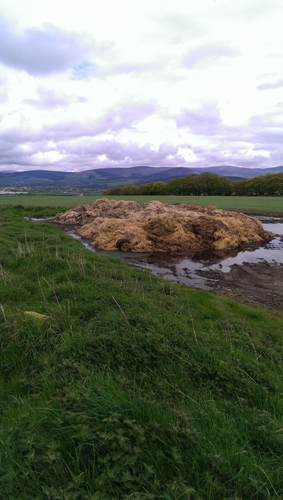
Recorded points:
(110, 83)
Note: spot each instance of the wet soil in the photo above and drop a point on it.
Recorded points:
(260, 283)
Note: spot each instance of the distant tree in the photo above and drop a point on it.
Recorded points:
(153, 188)
(174, 187)
(207, 184)
(116, 191)
(129, 190)
(239, 188)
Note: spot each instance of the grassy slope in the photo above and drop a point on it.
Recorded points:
(131, 387)
(251, 204)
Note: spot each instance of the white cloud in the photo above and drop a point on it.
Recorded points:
(168, 82)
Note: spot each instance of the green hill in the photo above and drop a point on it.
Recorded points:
(101, 179)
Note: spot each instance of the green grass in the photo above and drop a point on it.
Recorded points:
(130, 387)
(249, 204)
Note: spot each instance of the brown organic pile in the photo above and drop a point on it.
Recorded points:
(158, 227)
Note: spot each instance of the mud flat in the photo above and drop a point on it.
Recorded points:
(260, 283)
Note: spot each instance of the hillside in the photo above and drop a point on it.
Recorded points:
(100, 179)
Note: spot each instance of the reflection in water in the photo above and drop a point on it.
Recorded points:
(185, 270)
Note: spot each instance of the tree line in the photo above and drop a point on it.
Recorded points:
(207, 184)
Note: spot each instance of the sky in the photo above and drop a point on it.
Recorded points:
(177, 83)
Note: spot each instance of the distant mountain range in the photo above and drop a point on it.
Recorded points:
(106, 178)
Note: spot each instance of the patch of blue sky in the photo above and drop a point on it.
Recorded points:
(83, 70)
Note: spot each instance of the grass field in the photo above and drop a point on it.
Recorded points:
(251, 204)
(115, 384)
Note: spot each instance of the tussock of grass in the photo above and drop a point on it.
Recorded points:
(131, 387)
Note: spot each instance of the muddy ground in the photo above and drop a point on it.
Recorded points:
(260, 283)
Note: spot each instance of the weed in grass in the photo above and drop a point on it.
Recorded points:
(5, 277)
(3, 312)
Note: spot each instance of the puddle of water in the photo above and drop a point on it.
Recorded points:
(272, 252)
(13, 192)
(274, 227)
(39, 219)
(85, 243)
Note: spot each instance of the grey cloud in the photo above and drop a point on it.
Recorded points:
(124, 116)
(218, 157)
(260, 133)
(3, 90)
(82, 155)
(121, 154)
(16, 152)
(209, 52)
(205, 121)
(3, 93)
(79, 155)
(3, 98)
(18, 147)
(271, 85)
(136, 154)
(267, 140)
(41, 51)
(47, 99)
(82, 147)
(270, 121)
(241, 146)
